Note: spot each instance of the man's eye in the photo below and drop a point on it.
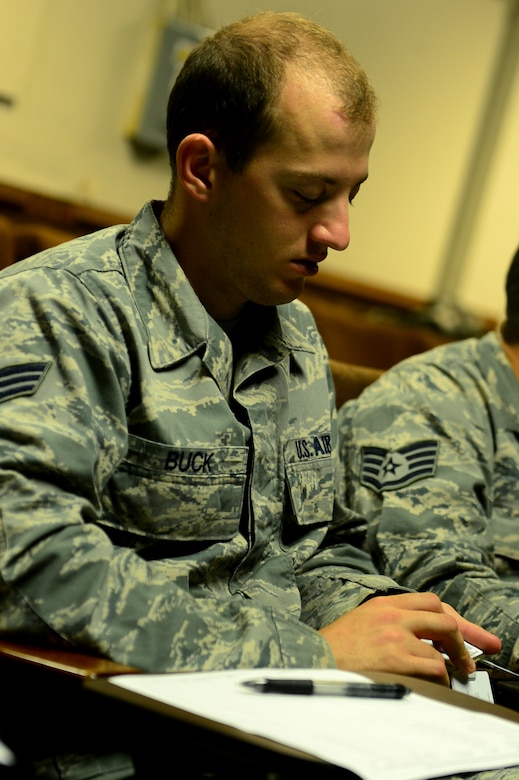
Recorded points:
(309, 202)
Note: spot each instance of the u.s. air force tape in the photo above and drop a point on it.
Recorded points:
(384, 469)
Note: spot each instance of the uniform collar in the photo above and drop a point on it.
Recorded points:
(177, 324)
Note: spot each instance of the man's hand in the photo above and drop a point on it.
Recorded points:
(477, 636)
(385, 633)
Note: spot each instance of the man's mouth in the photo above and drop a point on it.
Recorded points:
(306, 267)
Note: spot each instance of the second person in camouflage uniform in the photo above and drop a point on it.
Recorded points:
(431, 453)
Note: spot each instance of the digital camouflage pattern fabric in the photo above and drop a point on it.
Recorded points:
(168, 496)
(431, 459)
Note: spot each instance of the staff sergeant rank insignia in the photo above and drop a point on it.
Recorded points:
(392, 469)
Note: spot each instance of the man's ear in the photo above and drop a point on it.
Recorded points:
(196, 155)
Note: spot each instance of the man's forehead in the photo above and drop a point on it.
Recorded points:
(321, 150)
(310, 114)
(300, 91)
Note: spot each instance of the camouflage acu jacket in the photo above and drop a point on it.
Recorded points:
(431, 458)
(167, 497)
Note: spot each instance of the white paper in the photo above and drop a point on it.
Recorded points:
(415, 738)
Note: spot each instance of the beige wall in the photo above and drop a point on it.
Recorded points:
(431, 61)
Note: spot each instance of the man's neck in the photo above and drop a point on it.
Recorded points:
(184, 233)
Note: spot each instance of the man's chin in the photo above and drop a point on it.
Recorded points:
(288, 293)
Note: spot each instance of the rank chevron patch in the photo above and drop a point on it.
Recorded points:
(392, 469)
(21, 380)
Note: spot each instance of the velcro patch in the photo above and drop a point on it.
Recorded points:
(392, 469)
(308, 448)
(21, 380)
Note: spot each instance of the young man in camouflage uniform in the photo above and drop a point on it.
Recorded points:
(167, 423)
(431, 452)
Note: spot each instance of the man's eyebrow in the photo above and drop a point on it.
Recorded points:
(324, 177)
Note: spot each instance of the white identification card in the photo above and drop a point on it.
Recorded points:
(476, 684)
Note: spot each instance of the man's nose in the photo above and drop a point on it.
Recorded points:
(333, 229)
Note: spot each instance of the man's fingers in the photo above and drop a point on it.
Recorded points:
(440, 628)
(422, 659)
(487, 642)
(442, 631)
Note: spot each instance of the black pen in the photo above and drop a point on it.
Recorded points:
(329, 687)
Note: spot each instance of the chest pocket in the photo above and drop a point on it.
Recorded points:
(178, 493)
(310, 479)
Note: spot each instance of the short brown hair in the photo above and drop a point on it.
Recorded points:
(230, 83)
